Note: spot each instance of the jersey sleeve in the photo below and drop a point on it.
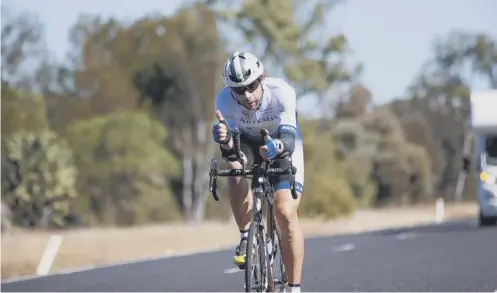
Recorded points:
(287, 130)
(223, 104)
(288, 116)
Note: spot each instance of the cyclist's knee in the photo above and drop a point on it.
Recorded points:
(233, 165)
(285, 206)
(238, 182)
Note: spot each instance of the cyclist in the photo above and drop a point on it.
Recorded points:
(250, 101)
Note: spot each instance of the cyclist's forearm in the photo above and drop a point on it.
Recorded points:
(286, 135)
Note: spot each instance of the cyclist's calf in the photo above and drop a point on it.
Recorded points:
(292, 238)
(240, 198)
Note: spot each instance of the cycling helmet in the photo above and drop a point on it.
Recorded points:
(242, 69)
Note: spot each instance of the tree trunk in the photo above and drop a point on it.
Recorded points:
(201, 190)
(187, 185)
(201, 181)
(461, 178)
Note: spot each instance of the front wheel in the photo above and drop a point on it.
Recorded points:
(278, 268)
(256, 261)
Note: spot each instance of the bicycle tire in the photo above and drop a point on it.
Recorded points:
(255, 276)
(278, 268)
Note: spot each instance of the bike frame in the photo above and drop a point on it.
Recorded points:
(262, 193)
(263, 197)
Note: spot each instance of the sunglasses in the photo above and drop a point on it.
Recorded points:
(249, 88)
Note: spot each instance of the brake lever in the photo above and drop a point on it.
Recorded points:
(238, 153)
(213, 179)
(292, 170)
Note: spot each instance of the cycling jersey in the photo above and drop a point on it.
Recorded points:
(277, 110)
(278, 107)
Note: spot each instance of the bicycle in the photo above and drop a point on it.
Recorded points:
(258, 275)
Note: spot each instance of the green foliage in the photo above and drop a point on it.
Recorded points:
(326, 191)
(288, 37)
(133, 167)
(356, 147)
(38, 178)
(357, 103)
(440, 95)
(125, 169)
(358, 171)
(382, 167)
(22, 111)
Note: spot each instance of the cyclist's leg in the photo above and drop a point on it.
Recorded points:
(292, 239)
(241, 199)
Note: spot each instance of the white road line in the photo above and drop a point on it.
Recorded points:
(232, 270)
(439, 210)
(345, 247)
(49, 255)
(167, 254)
(404, 236)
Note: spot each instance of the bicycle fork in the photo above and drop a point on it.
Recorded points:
(259, 217)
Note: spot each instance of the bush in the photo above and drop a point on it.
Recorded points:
(327, 193)
(125, 170)
(38, 178)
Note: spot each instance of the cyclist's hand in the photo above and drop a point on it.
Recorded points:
(263, 152)
(220, 130)
(270, 149)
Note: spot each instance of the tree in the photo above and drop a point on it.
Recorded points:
(327, 193)
(22, 110)
(125, 172)
(373, 147)
(180, 87)
(39, 176)
(288, 36)
(444, 84)
(357, 104)
(162, 64)
(22, 42)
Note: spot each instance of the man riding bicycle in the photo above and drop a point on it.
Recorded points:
(250, 101)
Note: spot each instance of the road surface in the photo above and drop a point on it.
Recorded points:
(457, 256)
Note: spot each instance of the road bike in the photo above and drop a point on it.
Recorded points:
(268, 273)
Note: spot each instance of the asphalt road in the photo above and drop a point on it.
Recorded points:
(456, 257)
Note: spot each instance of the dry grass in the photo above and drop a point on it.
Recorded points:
(21, 251)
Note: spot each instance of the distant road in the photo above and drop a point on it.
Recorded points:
(457, 257)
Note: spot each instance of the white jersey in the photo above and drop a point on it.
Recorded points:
(277, 109)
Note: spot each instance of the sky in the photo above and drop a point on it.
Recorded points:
(392, 38)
